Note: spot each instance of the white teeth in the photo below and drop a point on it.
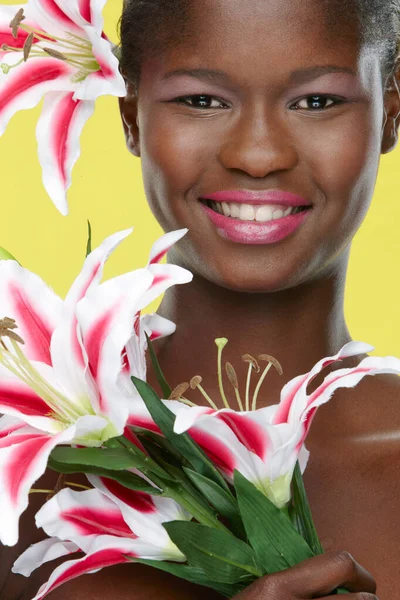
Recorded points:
(225, 209)
(235, 211)
(264, 213)
(247, 212)
(250, 212)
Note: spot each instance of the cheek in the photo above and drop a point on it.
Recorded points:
(175, 152)
(343, 160)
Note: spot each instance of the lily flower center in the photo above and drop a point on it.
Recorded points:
(249, 403)
(13, 358)
(71, 49)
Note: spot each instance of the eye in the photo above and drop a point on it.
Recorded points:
(202, 101)
(316, 102)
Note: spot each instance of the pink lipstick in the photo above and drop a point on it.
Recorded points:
(256, 217)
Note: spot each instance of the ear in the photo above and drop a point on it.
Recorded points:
(391, 122)
(129, 113)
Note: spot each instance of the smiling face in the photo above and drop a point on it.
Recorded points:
(261, 96)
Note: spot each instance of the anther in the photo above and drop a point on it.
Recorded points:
(179, 391)
(55, 54)
(16, 22)
(6, 330)
(195, 382)
(273, 361)
(251, 360)
(232, 376)
(28, 46)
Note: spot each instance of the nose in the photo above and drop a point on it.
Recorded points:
(258, 143)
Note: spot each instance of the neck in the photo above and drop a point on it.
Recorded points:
(298, 327)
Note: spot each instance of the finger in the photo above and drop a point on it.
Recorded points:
(359, 596)
(323, 574)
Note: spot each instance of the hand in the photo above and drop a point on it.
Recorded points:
(317, 577)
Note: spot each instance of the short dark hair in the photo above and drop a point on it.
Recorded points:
(149, 27)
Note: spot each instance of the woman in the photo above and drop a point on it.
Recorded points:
(247, 109)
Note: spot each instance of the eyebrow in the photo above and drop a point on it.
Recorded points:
(298, 76)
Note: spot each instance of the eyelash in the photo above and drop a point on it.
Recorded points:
(185, 100)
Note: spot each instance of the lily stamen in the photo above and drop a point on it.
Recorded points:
(232, 376)
(83, 57)
(221, 343)
(272, 362)
(253, 365)
(195, 383)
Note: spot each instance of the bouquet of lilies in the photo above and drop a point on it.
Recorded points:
(213, 496)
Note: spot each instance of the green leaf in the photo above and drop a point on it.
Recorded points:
(302, 511)
(275, 540)
(115, 459)
(221, 556)
(89, 241)
(5, 255)
(194, 575)
(166, 390)
(125, 478)
(223, 501)
(165, 420)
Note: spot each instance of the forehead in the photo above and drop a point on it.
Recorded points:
(255, 36)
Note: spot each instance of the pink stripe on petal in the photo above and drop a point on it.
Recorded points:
(137, 500)
(4, 433)
(143, 423)
(95, 338)
(88, 564)
(13, 440)
(85, 10)
(215, 450)
(61, 127)
(40, 71)
(31, 321)
(326, 384)
(6, 37)
(249, 433)
(57, 14)
(100, 521)
(23, 400)
(18, 468)
(283, 410)
(158, 258)
(160, 279)
(129, 435)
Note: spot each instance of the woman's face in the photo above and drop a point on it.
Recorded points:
(260, 96)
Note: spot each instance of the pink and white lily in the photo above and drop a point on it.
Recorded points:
(67, 384)
(109, 525)
(265, 444)
(56, 49)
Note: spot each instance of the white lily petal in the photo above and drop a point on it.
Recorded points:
(66, 350)
(56, 17)
(107, 81)
(105, 551)
(143, 513)
(71, 515)
(164, 244)
(106, 316)
(42, 552)
(23, 459)
(24, 86)
(58, 134)
(35, 307)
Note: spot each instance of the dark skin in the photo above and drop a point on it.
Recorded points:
(285, 299)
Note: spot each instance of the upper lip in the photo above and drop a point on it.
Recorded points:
(258, 197)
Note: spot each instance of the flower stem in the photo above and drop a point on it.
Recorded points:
(221, 343)
(261, 380)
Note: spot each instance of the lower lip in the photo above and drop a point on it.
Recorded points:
(253, 232)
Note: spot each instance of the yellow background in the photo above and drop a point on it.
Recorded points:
(107, 189)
